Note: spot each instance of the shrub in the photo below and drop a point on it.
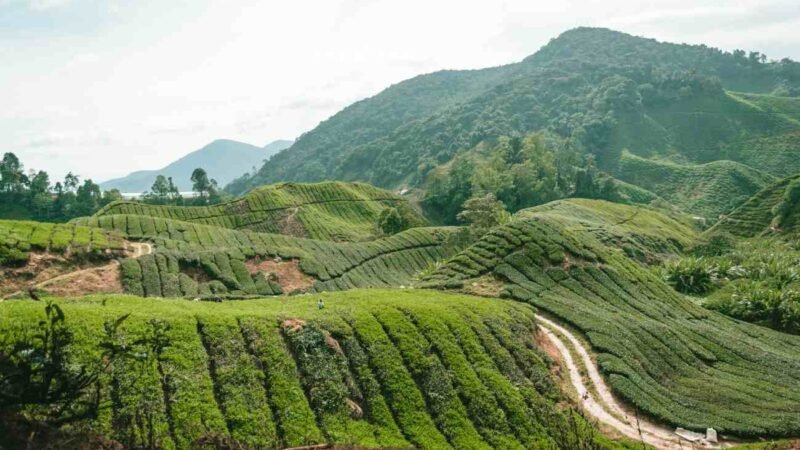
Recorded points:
(391, 222)
(691, 275)
(717, 245)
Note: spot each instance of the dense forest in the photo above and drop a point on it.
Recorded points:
(600, 90)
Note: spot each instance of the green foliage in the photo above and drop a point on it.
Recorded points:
(200, 259)
(38, 375)
(483, 213)
(784, 210)
(375, 369)
(772, 211)
(521, 172)
(758, 282)
(33, 197)
(163, 192)
(715, 244)
(19, 238)
(691, 275)
(391, 222)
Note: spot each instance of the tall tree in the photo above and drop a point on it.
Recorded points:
(39, 198)
(87, 198)
(206, 189)
(12, 174)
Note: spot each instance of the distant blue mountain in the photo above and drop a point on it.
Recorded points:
(223, 159)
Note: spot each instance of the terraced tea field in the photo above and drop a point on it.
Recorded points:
(755, 216)
(706, 190)
(201, 260)
(329, 211)
(19, 238)
(391, 369)
(673, 360)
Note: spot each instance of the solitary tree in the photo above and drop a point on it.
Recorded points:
(483, 213)
(391, 221)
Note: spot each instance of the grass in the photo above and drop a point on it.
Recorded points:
(667, 356)
(328, 211)
(374, 368)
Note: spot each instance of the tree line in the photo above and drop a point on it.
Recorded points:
(32, 195)
(514, 173)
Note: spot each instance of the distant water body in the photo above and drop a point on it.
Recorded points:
(138, 195)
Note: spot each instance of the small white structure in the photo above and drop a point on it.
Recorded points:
(690, 436)
(711, 435)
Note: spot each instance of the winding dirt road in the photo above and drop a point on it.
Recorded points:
(605, 408)
(139, 249)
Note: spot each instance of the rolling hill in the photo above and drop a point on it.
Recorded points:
(223, 159)
(706, 190)
(329, 210)
(756, 216)
(378, 369)
(671, 358)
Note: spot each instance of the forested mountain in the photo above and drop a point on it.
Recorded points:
(598, 90)
(224, 159)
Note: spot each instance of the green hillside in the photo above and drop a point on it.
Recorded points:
(329, 211)
(707, 190)
(640, 232)
(193, 259)
(671, 358)
(603, 90)
(757, 214)
(375, 369)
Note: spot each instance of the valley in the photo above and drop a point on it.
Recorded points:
(594, 248)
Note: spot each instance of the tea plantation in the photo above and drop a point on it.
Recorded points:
(18, 238)
(706, 190)
(756, 215)
(671, 358)
(200, 260)
(329, 210)
(389, 369)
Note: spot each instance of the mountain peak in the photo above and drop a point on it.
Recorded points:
(223, 159)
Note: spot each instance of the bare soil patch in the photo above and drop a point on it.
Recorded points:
(97, 280)
(290, 277)
(291, 225)
(485, 286)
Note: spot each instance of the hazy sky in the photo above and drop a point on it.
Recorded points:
(103, 88)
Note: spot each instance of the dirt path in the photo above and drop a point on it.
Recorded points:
(139, 249)
(605, 408)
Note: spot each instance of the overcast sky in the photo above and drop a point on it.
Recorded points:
(102, 88)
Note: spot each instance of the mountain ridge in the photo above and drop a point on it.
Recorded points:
(600, 90)
(223, 159)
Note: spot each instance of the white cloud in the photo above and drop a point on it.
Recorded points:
(103, 88)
